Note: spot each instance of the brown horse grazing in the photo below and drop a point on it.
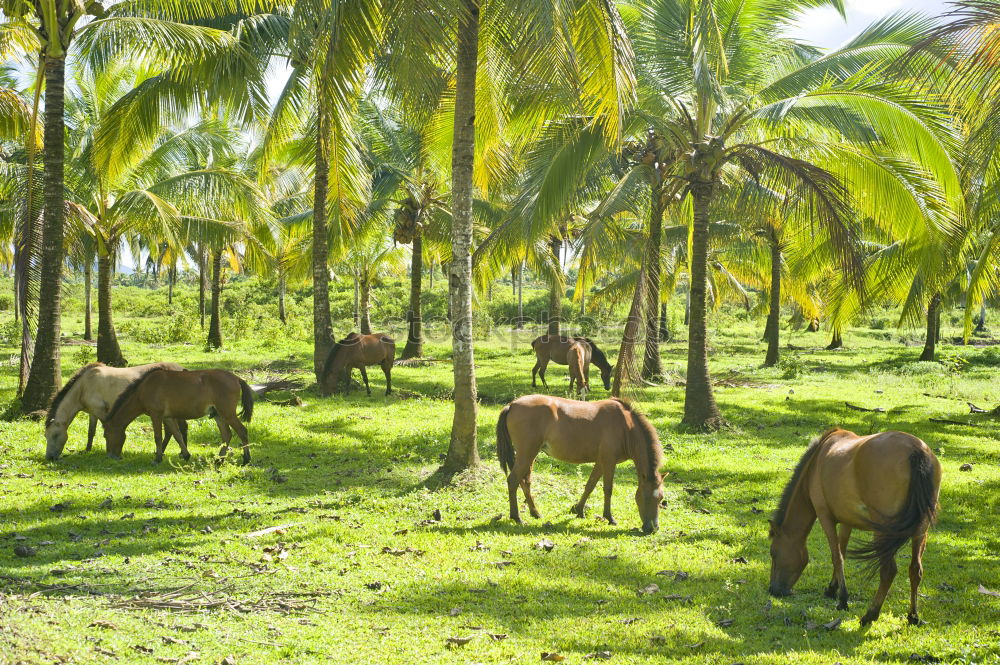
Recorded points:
(887, 483)
(551, 348)
(166, 396)
(605, 433)
(578, 358)
(359, 351)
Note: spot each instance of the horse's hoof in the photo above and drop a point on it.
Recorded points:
(576, 511)
(611, 520)
(842, 605)
(185, 456)
(869, 617)
(157, 460)
(516, 519)
(536, 515)
(915, 620)
(831, 591)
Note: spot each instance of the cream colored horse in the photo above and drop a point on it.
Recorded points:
(93, 389)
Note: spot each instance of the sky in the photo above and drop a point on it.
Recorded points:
(825, 27)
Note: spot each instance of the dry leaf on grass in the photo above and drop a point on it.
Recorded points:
(983, 590)
(460, 641)
(552, 657)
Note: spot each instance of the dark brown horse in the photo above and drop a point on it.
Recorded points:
(553, 348)
(605, 433)
(359, 351)
(886, 483)
(167, 396)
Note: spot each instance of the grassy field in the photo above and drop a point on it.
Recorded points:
(135, 562)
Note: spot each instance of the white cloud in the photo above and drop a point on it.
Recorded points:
(823, 26)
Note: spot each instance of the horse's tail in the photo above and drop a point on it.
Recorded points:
(505, 448)
(918, 512)
(246, 401)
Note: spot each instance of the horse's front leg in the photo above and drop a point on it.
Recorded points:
(158, 438)
(609, 483)
(91, 432)
(595, 475)
(838, 583)
(916, 574)
(534, 371)
(887, 573)
(364, 377)
(542, 366)
(387, 370)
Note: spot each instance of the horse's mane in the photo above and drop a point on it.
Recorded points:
(328, 365)
(129, 389)
(800, 467)
(597, 356)
(647, 465)
(50, 416)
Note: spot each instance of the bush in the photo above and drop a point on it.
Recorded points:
(790, 366)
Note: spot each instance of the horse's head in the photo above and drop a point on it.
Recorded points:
(114, 440)
(55, 439)
(606, 376)
(789, 557)
(648, 496)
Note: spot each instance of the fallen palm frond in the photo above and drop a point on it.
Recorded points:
(190, 599)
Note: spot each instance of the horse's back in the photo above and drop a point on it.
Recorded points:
(572, 429)
(865, 478)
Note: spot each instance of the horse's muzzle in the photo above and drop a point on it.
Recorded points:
(650, 528)
(779, 592)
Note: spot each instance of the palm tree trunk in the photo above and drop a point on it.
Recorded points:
(652, 365)
(357, 302)
(366, 296)
(700, 410)
(281, 299)
(171, 277)
(215, 322)
(520, 295)
(45, 375)
(625, 368)
(88, 277)
(463, 452)
(414, 340)
(771, 331)
(513, 282)
(555, 291)
(322, 327)
(108, 351)
(933, 328)
(813, 325)
(201, 283)
(836, 342)
(664, 333)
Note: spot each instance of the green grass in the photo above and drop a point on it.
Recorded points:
(356, 475)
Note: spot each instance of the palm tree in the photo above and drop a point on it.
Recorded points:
(52, 28)
(738, 99)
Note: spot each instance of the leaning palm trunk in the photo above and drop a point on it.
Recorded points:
(771, 331)
(414, 340)
(463, 451)
(108, 350)
(88, 276)
(555, 292)
(700, 410)
(933, 328)
(215, 322)
(45, 375)
(652, 365)
(520, 295)
(626, 370)
(322, 327)
(281, 299)
(201, 283)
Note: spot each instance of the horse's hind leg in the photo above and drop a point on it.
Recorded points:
(542, 366)
(174, 428)
(91, 432)
(226, 435)
(838, 585)
(387, 370)
(595, 475)
(526, 488)
(521, 470)
(887, 573)
(364, 375)
(534, 371)
(241, 431)
(916, 574)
